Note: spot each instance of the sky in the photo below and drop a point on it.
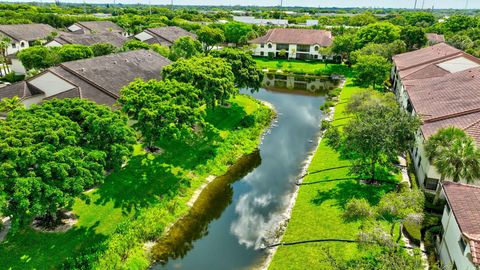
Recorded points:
(460, 4)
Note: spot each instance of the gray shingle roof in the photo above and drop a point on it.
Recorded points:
(100, 26)
(90, 39)
(101, 78)
(27, 32)
(167, 35)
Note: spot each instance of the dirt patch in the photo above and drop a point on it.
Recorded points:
(66, 222)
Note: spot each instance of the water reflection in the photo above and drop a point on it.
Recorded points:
(209, 206)
(228, 239)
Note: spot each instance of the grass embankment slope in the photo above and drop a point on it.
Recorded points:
(299, 66)
(148, 185)
(319, 208)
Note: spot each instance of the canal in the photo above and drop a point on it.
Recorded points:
(227, 225)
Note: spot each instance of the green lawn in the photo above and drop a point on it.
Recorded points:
(319, 207)
(147, 180)
(299, 66)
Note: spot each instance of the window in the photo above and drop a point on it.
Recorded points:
(22, 44)
(14, 45)
(262, 45)
(462, 245)
(316, 48)
(270, 45)
(447, 206)
(419, 161)
(416, 151)
(430, 183)
(303, 48)
(282, 47)
(262, 54)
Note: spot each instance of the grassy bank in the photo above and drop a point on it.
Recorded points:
(135, 204)
(298, 66)
(319, 208)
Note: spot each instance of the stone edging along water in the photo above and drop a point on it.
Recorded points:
(282, 227)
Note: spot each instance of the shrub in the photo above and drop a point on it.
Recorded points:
(12, 77)
(357, 209)
(325, 124)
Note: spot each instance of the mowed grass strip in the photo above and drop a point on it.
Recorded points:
(300, 66)
(319, 208)
(147, 180)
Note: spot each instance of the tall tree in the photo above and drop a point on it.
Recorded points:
(244, 68)
(163, 109)
(343, 45)
(414, 37)
(377, 134)
(72, 52)
(381, 32)
(455, 156)
(211, 75)
(102, 128)
(371, 70)
(185, 47)
(42, 167)
(210, 37)
(237, 32)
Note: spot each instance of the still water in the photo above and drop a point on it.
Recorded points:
(233, 215)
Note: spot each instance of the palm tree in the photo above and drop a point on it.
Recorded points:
(455, 156)
(10, 104)
(4, 43)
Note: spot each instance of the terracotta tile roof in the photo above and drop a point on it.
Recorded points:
(464, 200)
(446, 97)
(27, 32)
(434, 38)
(468, 122)
(296, 36)
(424, 56)
(167, 35)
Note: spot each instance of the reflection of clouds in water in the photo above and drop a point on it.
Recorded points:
(252, 224)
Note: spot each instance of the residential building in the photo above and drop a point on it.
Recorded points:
(163, 35)
(459, 244)
(292, 43)
(99, 79)
(115, 39)
(253, 20)
(440, 85)
(433, 38)
(96, 27)
(23, 36)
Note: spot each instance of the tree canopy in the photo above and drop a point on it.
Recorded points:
(51, 153)
(244, 68)
(210, 37)
(381, 32)
(371, 70)
(185, 47)
(211, 75)
(237, 32)
(166, 108)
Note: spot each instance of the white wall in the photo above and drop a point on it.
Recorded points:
(53, 43)
(17, 46)
(74, 27)
(292, 51)
(450, 251)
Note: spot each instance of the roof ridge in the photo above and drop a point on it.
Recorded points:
(89, 81)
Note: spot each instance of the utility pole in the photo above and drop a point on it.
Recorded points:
(150, 7)
(171, 4)
(415, 6)
(466, 4)
(423, 4)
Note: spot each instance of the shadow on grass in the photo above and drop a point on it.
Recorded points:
(141, 183)
(345, 191)
(14, 254)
